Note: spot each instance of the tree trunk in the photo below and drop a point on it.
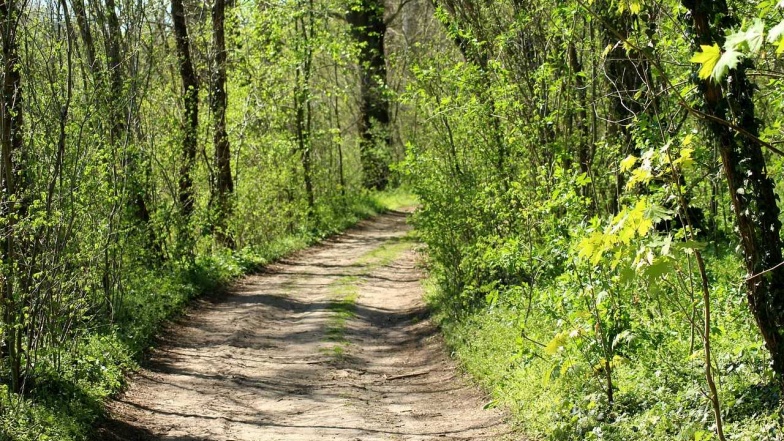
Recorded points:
(87, 37)
(13, 183)
(368, 28)
(118, 129)
(224, 186)
(190, 85)
(584, 148)
(751, 190)
(302, 103)
(114, 67)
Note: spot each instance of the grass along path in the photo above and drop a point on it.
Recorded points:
(345, 290)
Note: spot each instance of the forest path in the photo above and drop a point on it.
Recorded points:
(332, 343)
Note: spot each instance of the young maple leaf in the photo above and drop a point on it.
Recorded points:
(729, 60)
(709, 57)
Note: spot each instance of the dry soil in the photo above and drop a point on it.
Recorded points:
(333, 343)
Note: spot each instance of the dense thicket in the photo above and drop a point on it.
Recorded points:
(153, 150)
(594, 175)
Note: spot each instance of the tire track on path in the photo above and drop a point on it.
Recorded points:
(278, 360)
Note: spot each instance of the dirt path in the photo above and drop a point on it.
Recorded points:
(333, 343)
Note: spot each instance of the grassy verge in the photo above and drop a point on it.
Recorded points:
(395, 199)
(65, 400)
(659, 388)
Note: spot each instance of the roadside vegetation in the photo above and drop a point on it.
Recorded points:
(153, 152)
(599, 186)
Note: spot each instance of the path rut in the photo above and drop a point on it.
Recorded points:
(333, 343)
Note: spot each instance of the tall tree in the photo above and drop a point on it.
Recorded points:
(190, 85)
(368, 28)
(86, 33)
(112, 37)
(731, 114)
(584, 145)
(13, 205)
(626, 71)
(223, 186)
(304, 25)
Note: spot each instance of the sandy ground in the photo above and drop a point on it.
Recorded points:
(333, 343)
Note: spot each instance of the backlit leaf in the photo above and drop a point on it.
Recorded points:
(555, 345)
(750, 39)
(755, 35)
(628, 163)
(729, 60)
(709, 56)
(776, 32)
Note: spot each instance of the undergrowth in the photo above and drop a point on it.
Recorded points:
(659, 391)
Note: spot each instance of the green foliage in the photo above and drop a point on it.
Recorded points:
(115, 226)
(553, 386)
(568, 202)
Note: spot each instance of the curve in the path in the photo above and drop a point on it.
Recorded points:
(333, 343)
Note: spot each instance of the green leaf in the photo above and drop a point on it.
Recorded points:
(776, 32)
(685, 160)
(709, 56)
(752, 38)
(729, 60)
(755, 35)
(628, 163)
(556, 344)
(686, 91)
(658, 268)
(734, 40)
(665, 250)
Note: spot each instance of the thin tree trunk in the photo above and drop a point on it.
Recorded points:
(302, 104)
(341, 174)
(114, 68)
(626, 72)
(87, 37)
(584, 150)
(13, 203)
